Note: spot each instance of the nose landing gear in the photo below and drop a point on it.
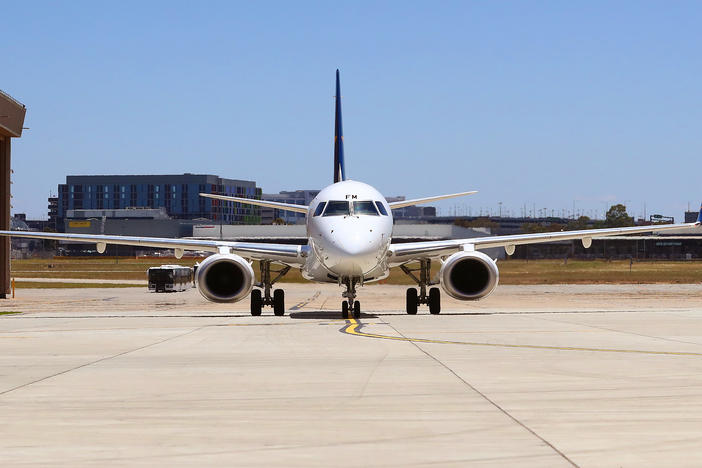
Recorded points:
(433, 299)
(350, 305)
(260, 298)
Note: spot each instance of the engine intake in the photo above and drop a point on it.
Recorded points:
(469, 275)
(224, 278)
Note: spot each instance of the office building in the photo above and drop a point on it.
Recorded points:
(177, 194)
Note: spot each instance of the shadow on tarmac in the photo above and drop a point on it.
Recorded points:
(323, 315)
(333, 314)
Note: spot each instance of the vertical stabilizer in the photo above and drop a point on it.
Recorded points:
(339, 170)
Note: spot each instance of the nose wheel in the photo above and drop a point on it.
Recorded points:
(350, 306)
(350, 310)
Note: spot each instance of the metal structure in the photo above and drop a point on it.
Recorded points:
(12, 115)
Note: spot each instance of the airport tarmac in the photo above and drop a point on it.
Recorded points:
(536, 376)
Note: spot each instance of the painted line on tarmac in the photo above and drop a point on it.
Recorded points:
(41, 317)
(71, 301)
(262, 324)
(302, 304)
(353, 327)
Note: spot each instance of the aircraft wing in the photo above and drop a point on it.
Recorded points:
(267, 204)
(281, 253)
(419, 201)
(403, 253)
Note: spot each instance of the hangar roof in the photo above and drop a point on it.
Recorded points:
(11, 116)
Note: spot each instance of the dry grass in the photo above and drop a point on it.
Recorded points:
(511, 271)
(63, 285)
(598, 272)
(107, 268)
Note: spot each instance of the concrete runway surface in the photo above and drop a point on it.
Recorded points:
(532, 376)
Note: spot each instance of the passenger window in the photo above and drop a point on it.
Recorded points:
(337, 208)
(381, 208)
(364, 208)
(320, 208)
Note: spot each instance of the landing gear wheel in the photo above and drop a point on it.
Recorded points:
(412, 301)
(279, 302)
(344, 310)
(256, 302)
(434, 301)
(356, 309)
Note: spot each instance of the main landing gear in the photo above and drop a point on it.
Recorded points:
(433, 299)
(260, 298)
(350, 305)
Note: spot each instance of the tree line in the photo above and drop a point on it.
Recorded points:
(616, 216)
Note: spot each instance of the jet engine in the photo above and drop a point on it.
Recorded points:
(224, 278)
(469, 275)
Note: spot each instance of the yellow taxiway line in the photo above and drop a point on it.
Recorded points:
(353, 327)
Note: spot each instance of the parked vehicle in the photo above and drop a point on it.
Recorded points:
(170, 278)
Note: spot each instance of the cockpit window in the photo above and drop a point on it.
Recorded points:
(337, 208)
(381, 208)
(364, 208)
(320, 208)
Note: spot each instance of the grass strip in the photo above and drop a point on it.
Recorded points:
(61, 285)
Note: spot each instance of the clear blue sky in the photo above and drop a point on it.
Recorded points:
(532, 103)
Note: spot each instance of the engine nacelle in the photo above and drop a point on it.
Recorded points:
(469, 275)
(224, 278)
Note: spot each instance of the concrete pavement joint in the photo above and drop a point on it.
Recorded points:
(486, 398)
(107, 358)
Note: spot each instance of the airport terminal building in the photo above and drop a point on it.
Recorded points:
(177, 194)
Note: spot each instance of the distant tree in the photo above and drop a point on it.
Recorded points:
(478, 222)
(618, 217)
(579, 224)
(533, 228)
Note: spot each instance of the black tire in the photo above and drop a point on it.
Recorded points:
(434, 301)
(411, 301)
(356, 309)
(279, 302)
(344, 310)
(256, 302)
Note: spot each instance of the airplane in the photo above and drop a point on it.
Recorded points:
(349, 232)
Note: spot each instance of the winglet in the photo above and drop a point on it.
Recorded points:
(699, 216)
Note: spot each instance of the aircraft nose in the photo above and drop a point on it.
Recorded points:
(352, 250)
(357, 246)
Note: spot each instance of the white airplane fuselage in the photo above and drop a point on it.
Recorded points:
(348, 237)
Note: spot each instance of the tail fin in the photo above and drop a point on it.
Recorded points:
(339, 170)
